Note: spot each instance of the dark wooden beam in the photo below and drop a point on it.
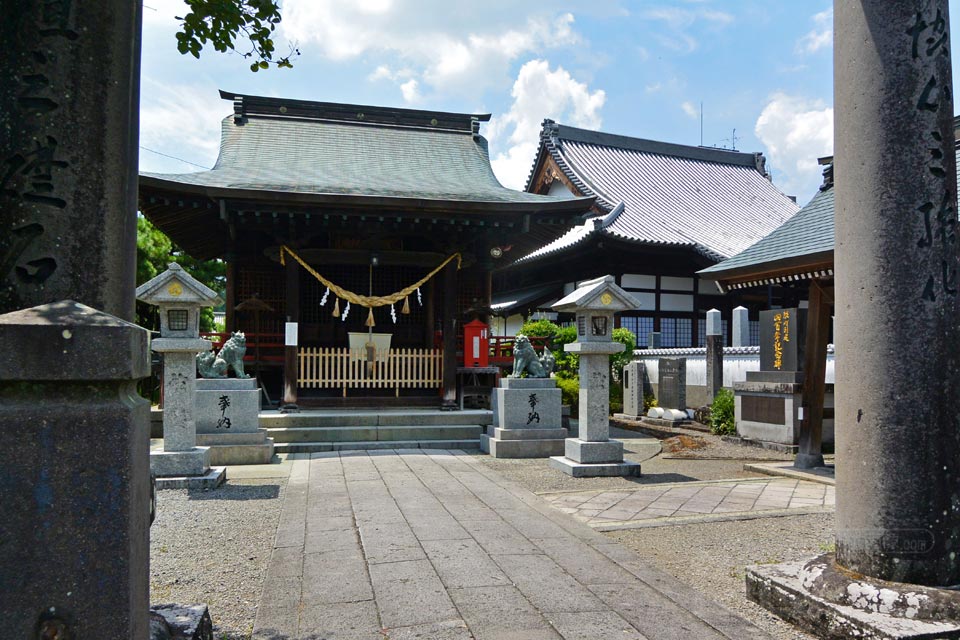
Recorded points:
(810, 454)
(450, 324)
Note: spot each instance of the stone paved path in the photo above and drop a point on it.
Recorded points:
(431, 544)
(682, 503)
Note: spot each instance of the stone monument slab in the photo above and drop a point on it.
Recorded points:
(782, 338)
(672, 383)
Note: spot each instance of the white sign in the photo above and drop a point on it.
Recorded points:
(291, 334)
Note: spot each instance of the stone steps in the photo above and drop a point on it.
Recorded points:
(374, 433)
(340, 430)
(377, 418)
(316, 447)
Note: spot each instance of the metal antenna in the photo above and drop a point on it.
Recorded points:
(701, 123)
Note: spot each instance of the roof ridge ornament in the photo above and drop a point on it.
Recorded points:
(238, 110)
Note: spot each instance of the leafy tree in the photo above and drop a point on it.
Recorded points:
(221, 22)
(154, 252)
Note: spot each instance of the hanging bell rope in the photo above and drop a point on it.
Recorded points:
(368, 301)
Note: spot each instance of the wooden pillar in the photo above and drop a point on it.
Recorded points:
(487, 300)
(449, 402)
(810, 454)
(429, 314)
(230, 324)
(289, 400)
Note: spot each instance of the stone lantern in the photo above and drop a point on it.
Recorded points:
(180, 297)
(593, 453)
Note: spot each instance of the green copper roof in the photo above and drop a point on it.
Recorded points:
(810, 231)
(276, 145)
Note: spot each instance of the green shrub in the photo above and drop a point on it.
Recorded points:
(722, 420)
(570, 392)
(542, 328)
(649, 400)
(619, 360)
(568, 364)
(616, 397)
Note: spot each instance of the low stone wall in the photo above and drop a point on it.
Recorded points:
(736, 362)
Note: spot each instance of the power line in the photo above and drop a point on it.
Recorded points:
(165, 155)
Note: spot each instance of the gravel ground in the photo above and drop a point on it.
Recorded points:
(711, 557)
(212, 547)
(717, 460)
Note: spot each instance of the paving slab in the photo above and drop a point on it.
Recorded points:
(694, 502)
(434, 544)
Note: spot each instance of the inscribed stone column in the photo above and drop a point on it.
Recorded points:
(714, 354)
(593, 453)
(69, 93)
(75, 479)
(741, 327)
(898, 378)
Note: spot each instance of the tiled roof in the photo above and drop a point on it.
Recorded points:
(323, 148)
(714, 201)
(808, 232)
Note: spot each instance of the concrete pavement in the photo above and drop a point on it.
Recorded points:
(432, 544)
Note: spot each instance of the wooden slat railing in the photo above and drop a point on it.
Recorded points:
(340, 368)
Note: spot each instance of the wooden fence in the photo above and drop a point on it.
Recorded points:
(341, 368)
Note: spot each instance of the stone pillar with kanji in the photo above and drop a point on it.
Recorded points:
(180, 297)
(592, 453)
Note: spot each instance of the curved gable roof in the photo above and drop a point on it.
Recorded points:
(714, 201)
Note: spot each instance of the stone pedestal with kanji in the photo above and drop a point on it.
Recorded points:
(527, 420)
(228, 421)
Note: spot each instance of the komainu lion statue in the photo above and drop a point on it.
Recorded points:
(525, 359)
(210, 365)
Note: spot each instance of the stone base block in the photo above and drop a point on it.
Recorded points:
(181, 622)
(526, 434)
(629, 416)
(581, 470)
(592, 452)
(822, 601)
(242, 453)
(238, 448)
(212, 479)
(543, 448)
(194, 462)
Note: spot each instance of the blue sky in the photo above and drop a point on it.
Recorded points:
(639, 69)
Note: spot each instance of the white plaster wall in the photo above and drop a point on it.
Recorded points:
(735, 365)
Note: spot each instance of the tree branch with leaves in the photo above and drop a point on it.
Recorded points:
(223, 22)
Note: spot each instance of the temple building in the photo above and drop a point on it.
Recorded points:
(661, 213)
(370, 227)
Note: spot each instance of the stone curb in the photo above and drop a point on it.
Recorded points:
(673, 521)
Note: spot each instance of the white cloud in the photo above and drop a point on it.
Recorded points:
(796, 131)
(678, 23)
(539, 93)
(447, 48)
(410, 91)
(690, 109)
(820, 36)
(181, 121)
